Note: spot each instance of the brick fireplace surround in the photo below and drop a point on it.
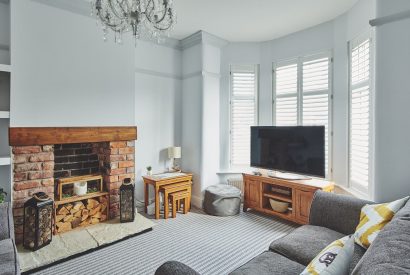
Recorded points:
(36, 168)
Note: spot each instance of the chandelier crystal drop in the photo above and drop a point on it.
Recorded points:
(149, 19)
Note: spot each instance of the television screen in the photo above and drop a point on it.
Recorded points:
(299, 149)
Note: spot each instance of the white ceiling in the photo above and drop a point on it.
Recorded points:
(254, 20)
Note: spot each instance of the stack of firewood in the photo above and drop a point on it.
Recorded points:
(81, 213)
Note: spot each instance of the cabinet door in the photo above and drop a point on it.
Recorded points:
(252, 193)
(302, 205)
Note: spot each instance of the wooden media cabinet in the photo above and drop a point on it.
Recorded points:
(298, 193)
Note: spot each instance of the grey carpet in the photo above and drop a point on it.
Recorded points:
(209, 244)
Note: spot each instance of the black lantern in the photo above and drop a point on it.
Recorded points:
(127, 207)
(38, 216)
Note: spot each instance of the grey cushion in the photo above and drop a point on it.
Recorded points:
(304, 243)
(6, 221)
(269, 263)
(389, 253)
(337, 212)
(8, 258)
(222, 200)
(175, 268)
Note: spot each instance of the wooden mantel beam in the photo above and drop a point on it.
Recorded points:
(27, 136)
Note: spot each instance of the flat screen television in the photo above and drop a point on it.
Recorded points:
(298, 149)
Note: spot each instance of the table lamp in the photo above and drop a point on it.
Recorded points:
(174, 153)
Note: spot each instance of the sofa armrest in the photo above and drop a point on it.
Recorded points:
(337, 212)
(175, 268)
(6, 221)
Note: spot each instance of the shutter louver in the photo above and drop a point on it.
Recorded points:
(243, 112)
(315, 101)
(286, 89)
(359, 115)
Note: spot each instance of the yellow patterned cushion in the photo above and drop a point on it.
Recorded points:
(373, 218)
(334, 259)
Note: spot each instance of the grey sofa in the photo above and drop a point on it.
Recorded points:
(332, 217)
(8, 254)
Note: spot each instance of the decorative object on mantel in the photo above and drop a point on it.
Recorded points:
(144, 18)
(127, 203)
(174, 153)
(38, 216)
(149, 170)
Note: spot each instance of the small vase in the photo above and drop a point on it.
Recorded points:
(149, 173)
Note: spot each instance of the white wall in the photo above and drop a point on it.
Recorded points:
(392, 173)
(157, 107)
(64, 74)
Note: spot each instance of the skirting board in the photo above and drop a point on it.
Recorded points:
(197, 201)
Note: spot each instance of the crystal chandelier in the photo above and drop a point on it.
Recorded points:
(150, 19)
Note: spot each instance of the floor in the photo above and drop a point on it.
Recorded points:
(209, 244)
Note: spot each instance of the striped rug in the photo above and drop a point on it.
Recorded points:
(211, 245)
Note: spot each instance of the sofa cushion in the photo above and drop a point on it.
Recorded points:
(304, 243)
(269, 263)
(8, 258)
(388, 254)
(373, 218)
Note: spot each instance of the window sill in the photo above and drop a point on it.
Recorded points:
(356, 193)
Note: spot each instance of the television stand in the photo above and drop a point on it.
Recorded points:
(287, 176)
(297, 193)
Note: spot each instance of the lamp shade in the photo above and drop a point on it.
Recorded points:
(174, 152)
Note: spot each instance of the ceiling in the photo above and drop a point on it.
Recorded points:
(239, 20)
(254, 20)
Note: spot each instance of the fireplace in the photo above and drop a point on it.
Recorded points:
(41, 156)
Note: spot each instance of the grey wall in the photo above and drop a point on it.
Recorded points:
(392, 149)
(157, 107)
(64, 74)
(332, 36)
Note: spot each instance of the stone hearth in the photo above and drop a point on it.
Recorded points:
(37, 167)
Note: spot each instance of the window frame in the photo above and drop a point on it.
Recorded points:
(299, 61)
(367, 35)
(256, 69)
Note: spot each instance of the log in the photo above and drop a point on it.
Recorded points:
(85, 212)
(95, 210)
(84, 217)
(78, 214)
(68, 218)
(59, 217)
(63, 211)
(103, 217)
(78, 205)
(103, 207)
(94, 221)
(85, 222)
(68, 206)
(92, 203)
(65, 226)
(73, 211)
(97, 215)
(76, 222)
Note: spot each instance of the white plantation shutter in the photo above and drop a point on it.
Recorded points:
(359, 114)
(303, 95)
(315, 96)
(286, 91)
(244, 87)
